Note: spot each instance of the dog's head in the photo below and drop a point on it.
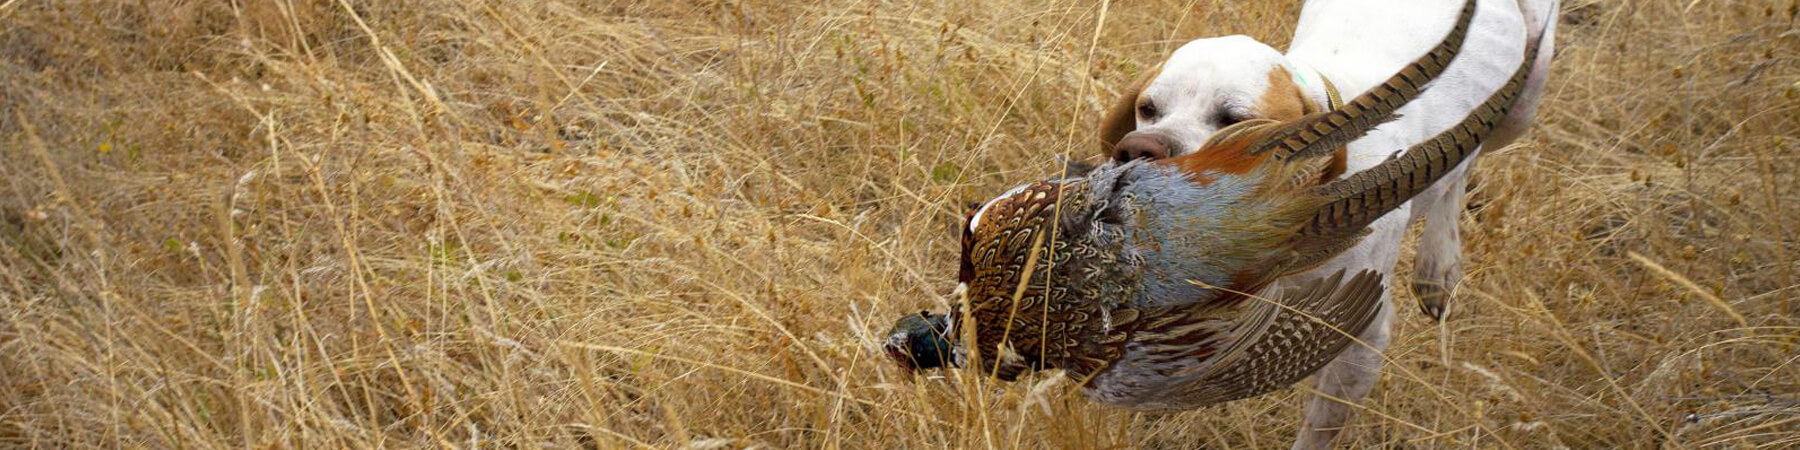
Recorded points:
(1206, 85)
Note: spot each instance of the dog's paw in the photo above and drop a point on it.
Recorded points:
(1435, 286)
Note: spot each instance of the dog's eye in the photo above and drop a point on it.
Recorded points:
(1229, 119)
(1231, 116)
(1146, 110)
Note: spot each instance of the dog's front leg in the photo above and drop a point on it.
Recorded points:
(1347, 379)
(1438, 268)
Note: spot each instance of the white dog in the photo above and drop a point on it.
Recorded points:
(1340, 49)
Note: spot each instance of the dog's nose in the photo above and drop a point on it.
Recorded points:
(1137, 145)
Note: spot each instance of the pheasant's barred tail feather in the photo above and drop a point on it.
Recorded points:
(1354, 202)
(1319, 134)
(1288, 342)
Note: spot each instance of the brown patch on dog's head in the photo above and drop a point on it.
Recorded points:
(1122, 117)
(1283, 100)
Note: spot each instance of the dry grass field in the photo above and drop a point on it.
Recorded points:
(561, 223)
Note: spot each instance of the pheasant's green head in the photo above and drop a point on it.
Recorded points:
(922, 341)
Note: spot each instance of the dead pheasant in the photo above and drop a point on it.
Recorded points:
(1137, 278)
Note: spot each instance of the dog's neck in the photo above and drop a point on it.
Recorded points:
(1319, 89)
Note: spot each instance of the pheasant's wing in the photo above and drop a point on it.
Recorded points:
(1282, 344)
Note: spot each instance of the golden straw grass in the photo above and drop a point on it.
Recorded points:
(341, 223)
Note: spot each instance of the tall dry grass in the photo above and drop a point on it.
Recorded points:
(310, 223)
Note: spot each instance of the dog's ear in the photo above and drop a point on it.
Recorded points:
(1122, 117)
(1284, 99)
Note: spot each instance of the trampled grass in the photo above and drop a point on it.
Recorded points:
(311, 223)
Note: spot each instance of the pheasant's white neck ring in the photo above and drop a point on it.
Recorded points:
(976, 220)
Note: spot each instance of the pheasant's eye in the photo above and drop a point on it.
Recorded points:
(1146, 110)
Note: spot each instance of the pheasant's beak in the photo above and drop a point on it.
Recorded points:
(895, 347)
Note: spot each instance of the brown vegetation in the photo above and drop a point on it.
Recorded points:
(304, 223)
